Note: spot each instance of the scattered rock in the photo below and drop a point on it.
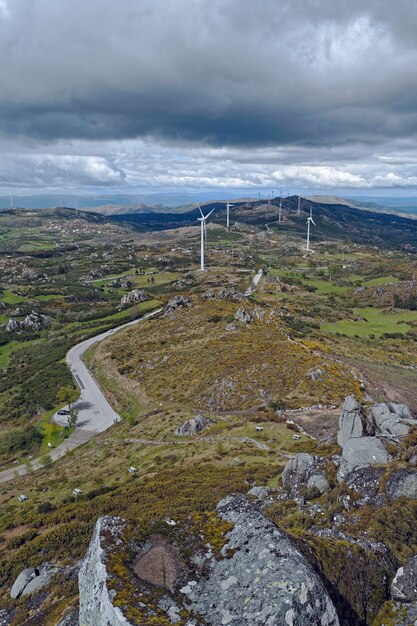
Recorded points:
(402, 483)
(404, 585)
(32, 580)
(259, 492)
(230, 327)
(304, 470)
(71, 619)
(33, 321)
(133, 297)
(365, 481)
(392, 419)
(362, 451)
(193, 426)
(176, 303)
(227, 293)
(243, 316)
(315, 374)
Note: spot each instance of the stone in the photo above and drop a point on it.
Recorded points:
(243, 316)
(177, 303)
(362, 451)
(365, 481)
(264, 581)
(96, 607)
(392, 419)
(22, 581)
(404, 585)
(352, 423)
(32, 580)
(5, 617)
(259, 492)
(33, 321)
(133, 297)
(160, 564)
(318, 483)
(71, 619)
(402, 483)
(193, 426)
(296, 469)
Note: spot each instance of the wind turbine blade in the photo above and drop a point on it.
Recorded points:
(199, 207)
(312, 221)
(208, 214)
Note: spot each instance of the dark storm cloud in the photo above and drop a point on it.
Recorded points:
(225, 72)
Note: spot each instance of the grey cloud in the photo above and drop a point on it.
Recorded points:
(228, 72)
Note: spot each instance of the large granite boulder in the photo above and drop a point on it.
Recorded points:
(404, 585)
(193, 426)
(32, 579)
(257, 578)
(392, 420)
(402, 483)
(365, 482)
(96, 606)
(362, 451)
(265, 581)
(304, 470)
(352, 422)
(177, 303)
(134, 297)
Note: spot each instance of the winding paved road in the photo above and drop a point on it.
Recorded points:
(95, 414)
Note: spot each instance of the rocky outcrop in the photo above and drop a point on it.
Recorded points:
(404, 585)
(266, 580)
(304, 474)
(33, 321)
(402, 483)
(258, 578)
(362, 451)
(402, 609)
(96, 607)
(193, 426)
(352, 423)
(177, 303)
(227, 293)
(364, 434)
(134, 297)
(32, 580)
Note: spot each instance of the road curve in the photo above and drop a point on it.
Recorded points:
(95, 414)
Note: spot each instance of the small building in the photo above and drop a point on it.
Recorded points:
(132, 470)
(22, 498)
(77, 492)
(259, 429)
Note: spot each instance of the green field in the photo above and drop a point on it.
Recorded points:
(7, 350)
(383, 280)
(8, 297)
(374, 322)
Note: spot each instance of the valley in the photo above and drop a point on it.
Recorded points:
(267, 375)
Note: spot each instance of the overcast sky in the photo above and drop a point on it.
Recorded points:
(151, 95)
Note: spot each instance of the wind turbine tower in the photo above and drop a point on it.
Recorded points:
(203, 232)
(11, 202)
(280, 207)
(298, 207)
(309, 221)
(228, 205)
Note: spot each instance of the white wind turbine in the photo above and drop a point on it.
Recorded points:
(203, 231)
(309, 221)
(298, 207)
(11, 202)
(228, 205)
(280, 207)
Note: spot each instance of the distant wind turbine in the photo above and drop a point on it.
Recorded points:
(298, 207)
(228, 205)
(280, 207)
(11, 202)
(309, 221)
(202, 221)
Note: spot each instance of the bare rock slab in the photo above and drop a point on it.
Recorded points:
(265, 582)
